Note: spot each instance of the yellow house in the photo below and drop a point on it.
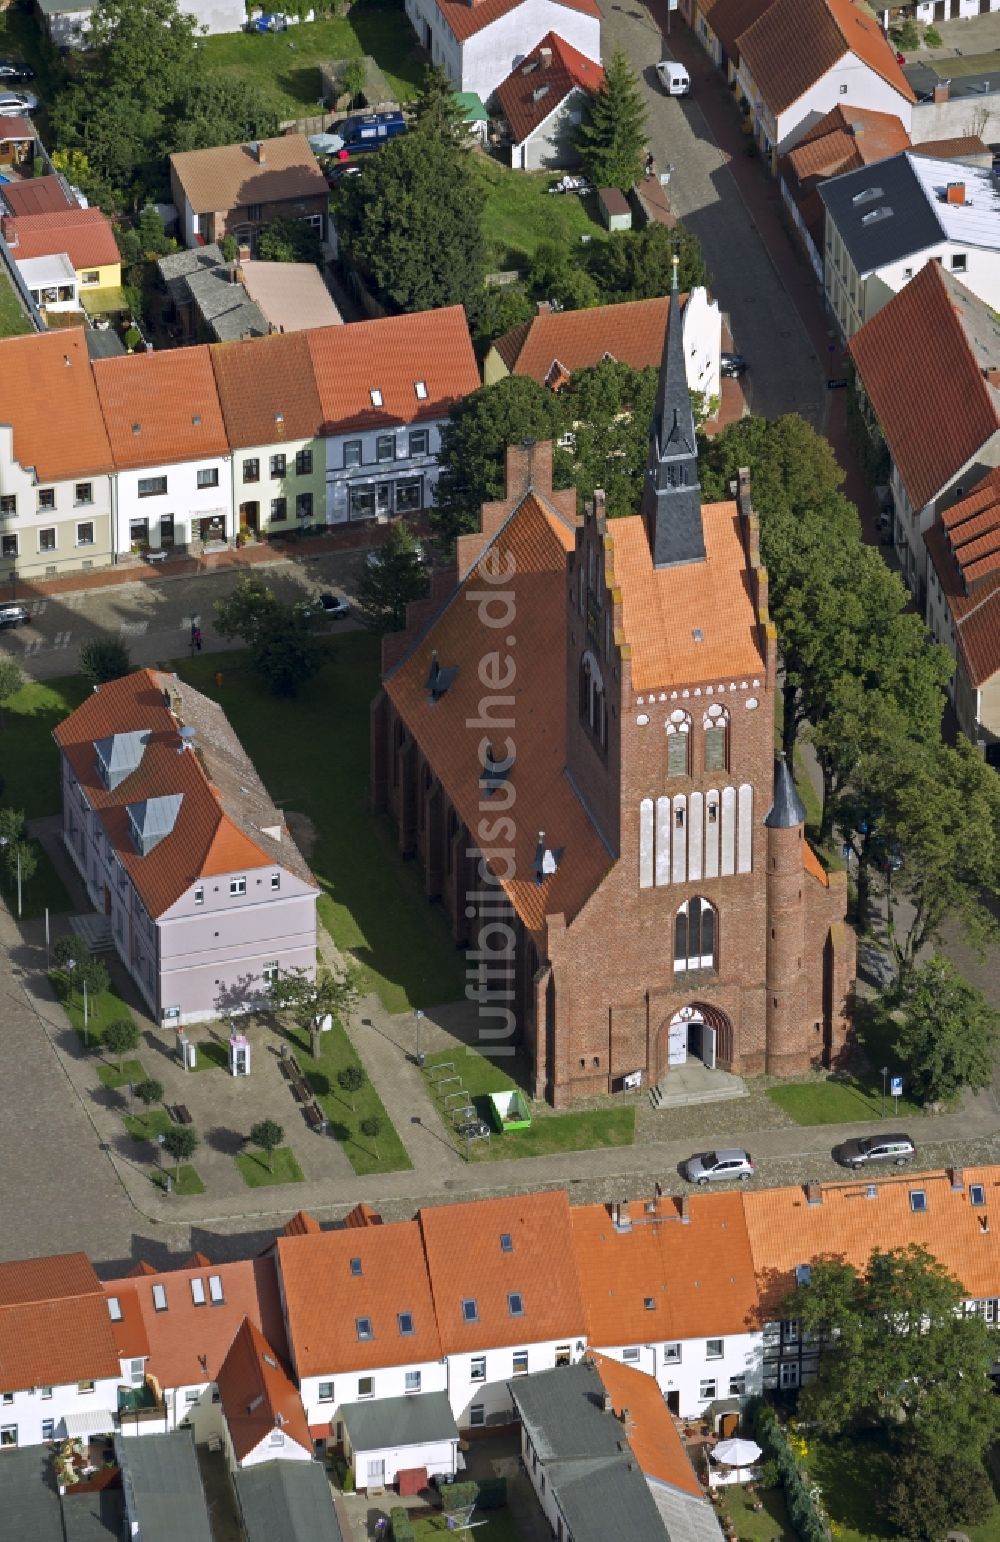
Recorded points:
(84, 235)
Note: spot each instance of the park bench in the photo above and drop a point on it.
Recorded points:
(314, 1117)
(182, 1114)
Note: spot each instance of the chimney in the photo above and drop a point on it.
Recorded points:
(814, 1192)
(685, 1210)
(261, 150)
(606, 1402)
(955, 193)
(992, 375)
(545, 55)
(175, 700)
(942, 91)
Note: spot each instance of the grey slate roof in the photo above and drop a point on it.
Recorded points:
(597, 1482)
(162, 1487)
(924, 75)
(290, 1500)
(400, 1421)
(29, 1503)
(201, 276)
(671, 497)
(787, 809)
(93, 1517)
(857, 201)
(104, 343)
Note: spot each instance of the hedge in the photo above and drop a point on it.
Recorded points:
(399, 1520)
(458, 1496)
(772, 1437)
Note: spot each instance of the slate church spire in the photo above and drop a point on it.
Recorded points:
(671, 497)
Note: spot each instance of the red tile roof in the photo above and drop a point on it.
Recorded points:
(267, 389)
(953, 149)
(468, 1260)
(785, 1231)
(188, 1342)
(46, 379)
(964, 546)
(695, 623)
(85, 235)
(542, 80)
(54, 1324)
(257, 1395)
(846, 138)
(392, 357)
(730, 18)
(15, 129)
(530, 546)
(633, 333)
(161, 407)
(465, 19)
(650, 1431)
(39, 195)
(205, 840)
(921, 360)
(694, 1273)
(793, 43)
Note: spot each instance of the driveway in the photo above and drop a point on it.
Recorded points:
(785, 373)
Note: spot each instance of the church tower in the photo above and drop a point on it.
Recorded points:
(671, 497)
(785, 1012)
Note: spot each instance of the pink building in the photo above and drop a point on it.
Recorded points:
(182, 849)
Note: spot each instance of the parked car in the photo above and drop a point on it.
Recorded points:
(366, 131)
(373, 559)
(714, 1166)
(340, 171)
(13, 615)
(335, 606)
(14, 104)
(875, 1148)
(673, 77)
(15, 70)
(733, 365)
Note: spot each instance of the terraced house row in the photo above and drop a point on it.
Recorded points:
(184, 449)
(390, 1340)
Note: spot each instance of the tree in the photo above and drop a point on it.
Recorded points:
(612, 138)
(610, 407)
(949, 1032)
(557, 277)
(79, 967)
(640, 266)
(898, 1353)
(103, 659)
(942, 815)
(11, 681)
(437, 111)
(351, 1079)
(180, 1142)
(353, 79)
(245, 609)
(927, 1495)
(153, 238)
(309, 1000)
(288, 241)
(474, 444)
(371, 1129)
(268, 1135)
(411, 222)
(216, 109)
(389, 584)
(149, 1091)
(121, 1037)
(495, 310)
(284, 654)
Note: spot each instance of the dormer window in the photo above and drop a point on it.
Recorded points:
(376, 397)
(506, 1242)
(356, 1268)
(420, 390)
(405, 1321)
(114, 1309)
(470, 1311)
(363, 1326)
(160, 1298)
(515, 1303)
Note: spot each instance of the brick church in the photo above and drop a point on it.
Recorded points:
(575, 739)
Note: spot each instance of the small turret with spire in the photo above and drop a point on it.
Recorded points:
(671, 497)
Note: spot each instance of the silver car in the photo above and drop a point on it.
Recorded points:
(14, 104)
(716, 1166)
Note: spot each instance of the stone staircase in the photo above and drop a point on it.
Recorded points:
(693, 1083)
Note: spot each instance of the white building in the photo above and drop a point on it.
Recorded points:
(544, 100)
(181, 848)
(385, 391)
(174, 485)
(841, 57)
(399, 1434)
(884, 222)
(478, 44)
(67, 22)
(928, 372)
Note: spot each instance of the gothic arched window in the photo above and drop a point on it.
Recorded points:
(679, 744)
(694, 935)
(716, 730)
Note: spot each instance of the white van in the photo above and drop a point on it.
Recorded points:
(674, 78)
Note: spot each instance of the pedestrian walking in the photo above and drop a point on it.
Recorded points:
(196, 638)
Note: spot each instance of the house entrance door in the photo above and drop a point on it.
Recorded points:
(250, 516)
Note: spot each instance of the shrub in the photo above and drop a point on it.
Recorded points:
(348, 1483)
(457, 1496)
(932, 38)
(399, 1520)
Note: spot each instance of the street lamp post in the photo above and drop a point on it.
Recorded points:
(885, 1072)
(420, 1051)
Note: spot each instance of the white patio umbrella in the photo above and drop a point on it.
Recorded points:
(737, 1453)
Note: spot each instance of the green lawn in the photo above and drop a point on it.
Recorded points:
(768, 1525)
(520, 213)
(499, 1527)
(188, 1183)
(13, 318)
(148, 1124)
(838, 1102)
(386, 1155)
(285, 65)
(312, 753)
(27, 752)
(109, 1075)
(548, 1133)
(102, 1009)
(256, 1173)
(211, 1056)
(45, 890)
